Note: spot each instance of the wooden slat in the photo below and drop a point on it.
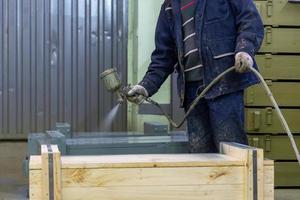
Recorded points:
(269, 192)
(260, 173)
(57, 172)
(246, 153)
(39, 178)
(45, 172)
(141, 161)
(152, 176)
(269, 174)
(35, 180)
(146, 176)
(149, 177)
(209, 192)
(268, 180)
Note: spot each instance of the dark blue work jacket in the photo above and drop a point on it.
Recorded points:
(223, 28)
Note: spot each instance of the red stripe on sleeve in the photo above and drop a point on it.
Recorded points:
(188, 5)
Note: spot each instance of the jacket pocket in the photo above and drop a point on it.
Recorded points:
(216, 11)
(222, 54)
(223, 47)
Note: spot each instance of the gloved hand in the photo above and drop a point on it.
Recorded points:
(138, 90)
(243, 61)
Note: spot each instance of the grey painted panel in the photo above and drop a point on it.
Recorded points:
(51, 55)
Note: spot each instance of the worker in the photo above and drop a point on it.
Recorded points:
(200, 39)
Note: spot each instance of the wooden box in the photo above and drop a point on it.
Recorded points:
(239, 172)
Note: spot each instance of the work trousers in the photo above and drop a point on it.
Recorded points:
(214, 120)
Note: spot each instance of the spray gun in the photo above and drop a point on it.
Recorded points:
(113, 84)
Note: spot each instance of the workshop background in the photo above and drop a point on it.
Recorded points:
(53, 51)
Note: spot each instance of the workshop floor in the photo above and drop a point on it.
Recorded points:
(13, 184)
(12, 181)
(20, 193)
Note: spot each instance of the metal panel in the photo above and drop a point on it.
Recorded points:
(265, 120)
(276, 147)
(281, 40)
(287, 174)
(271, 66)
(279, 12)
(285, 93)
(51, 55)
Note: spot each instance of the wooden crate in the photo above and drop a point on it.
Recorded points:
(239, 172)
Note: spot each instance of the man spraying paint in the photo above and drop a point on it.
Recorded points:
(200, 39)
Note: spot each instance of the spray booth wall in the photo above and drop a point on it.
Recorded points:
(143, 16)
(51, 55)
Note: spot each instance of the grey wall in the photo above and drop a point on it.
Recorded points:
(51, 55)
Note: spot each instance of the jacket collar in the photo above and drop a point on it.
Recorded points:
(200, 7)
(178, 23)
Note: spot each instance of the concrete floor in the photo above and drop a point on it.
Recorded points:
(20, 193)
(13, 184)
(287, 194)
(13, 192)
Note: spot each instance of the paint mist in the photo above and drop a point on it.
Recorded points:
(107, 123)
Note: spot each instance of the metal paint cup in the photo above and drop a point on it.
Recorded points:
(111, 80)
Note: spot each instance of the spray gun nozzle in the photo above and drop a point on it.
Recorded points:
(113, 84)
(120, 97)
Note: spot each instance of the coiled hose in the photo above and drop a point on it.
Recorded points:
(217, 79)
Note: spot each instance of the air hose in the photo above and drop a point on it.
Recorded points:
(217, 79)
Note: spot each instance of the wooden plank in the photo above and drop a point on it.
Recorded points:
(35, 162)
(35, 183)
(143, 161)
(268, 191)
(41, 177)
(269, 175)
(146, 176)
(209, 192)
(260, 173)
(268, 180)
(45, 172)
(254, 165)
(57, 172)
(152, 176)
(216, 177)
